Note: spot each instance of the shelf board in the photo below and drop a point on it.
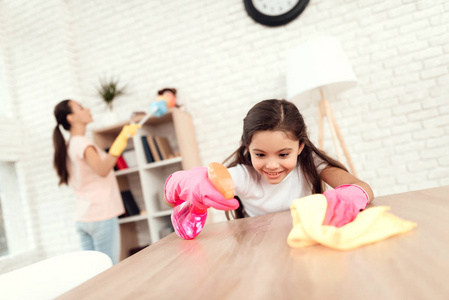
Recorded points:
(162, 163)
(126, 171)
(136, 218)
(168, 117)
(116, 128)
(162, 213)
(111, 129)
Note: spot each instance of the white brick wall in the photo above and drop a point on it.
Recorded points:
(395, 122)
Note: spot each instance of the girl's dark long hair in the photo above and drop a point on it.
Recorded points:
(62, 109)
(280, 115)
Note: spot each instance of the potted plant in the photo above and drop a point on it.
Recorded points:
(109, 90)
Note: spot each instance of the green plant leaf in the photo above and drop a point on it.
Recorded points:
(109, 89)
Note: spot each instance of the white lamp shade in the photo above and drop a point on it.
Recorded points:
(318, 63)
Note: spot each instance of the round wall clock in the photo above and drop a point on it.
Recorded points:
(274, 12)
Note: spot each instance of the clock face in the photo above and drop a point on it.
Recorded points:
(274, 12)
(274, 7)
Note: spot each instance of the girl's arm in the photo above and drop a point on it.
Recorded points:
(335, 177)
(101, 167)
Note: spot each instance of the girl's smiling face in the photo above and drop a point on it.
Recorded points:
(274, 154)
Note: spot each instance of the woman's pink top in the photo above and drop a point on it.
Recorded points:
(97, 198)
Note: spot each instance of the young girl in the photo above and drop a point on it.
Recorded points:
(275, 164)
(89, 171)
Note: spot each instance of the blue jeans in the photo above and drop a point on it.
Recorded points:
(103, 236)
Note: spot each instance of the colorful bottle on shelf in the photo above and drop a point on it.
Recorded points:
(188, 220)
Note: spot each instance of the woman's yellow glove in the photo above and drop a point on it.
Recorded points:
(122, 139)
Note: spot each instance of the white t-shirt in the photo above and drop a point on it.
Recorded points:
(97, 198)
(260, 197)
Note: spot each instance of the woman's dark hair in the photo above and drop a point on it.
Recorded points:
(62, 109)
(280, 115)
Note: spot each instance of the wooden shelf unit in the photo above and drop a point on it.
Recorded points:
(146, 180)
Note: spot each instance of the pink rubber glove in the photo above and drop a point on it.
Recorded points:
(344, 203)
(193, 186)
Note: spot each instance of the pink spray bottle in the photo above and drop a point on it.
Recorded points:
(188, 220)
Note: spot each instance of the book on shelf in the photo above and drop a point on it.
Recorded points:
(121, 163)
(130, 204)
(158, 149)
(164, 147)
(154, 151)
(146, 149)
(130, 157)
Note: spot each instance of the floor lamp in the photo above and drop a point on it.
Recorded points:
(321, 64)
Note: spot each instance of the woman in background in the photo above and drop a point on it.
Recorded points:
(88, 170)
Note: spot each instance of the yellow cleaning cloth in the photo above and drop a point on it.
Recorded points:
(370, 226)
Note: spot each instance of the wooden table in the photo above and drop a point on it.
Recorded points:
(250, 259)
